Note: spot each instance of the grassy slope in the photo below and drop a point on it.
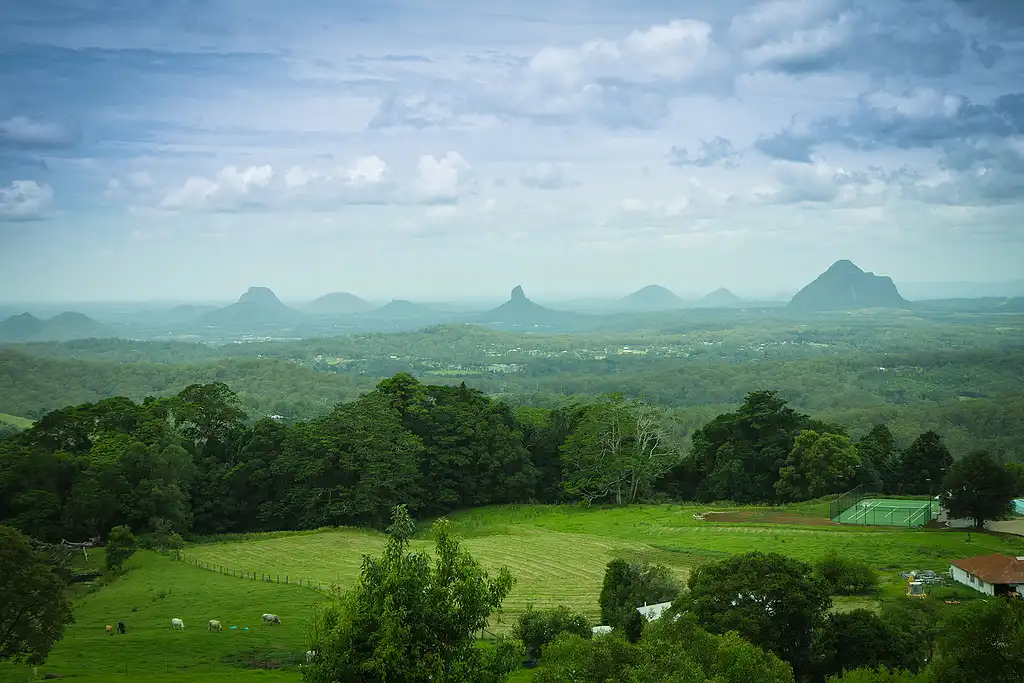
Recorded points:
(151, 651)
(19, 422)
(558, 554)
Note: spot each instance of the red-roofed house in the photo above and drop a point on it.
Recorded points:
(990, 574)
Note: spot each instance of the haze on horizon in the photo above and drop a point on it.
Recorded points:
(390, 148)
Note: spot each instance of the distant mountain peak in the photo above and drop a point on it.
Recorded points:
(652, 297)
(844, 286)
(518, 294)
(262, 296)
(843, 266)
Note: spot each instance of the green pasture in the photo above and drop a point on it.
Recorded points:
(161, 589)
(890, 512)
(19, 422)
(558, 553)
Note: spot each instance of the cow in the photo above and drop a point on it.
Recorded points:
(310, 656)
(110, 630)
(213, 625)
(271, 619)
(177, 624)
(120, 627)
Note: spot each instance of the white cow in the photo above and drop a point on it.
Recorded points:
(213, 625)
(177, 624)
(271, 619)
(310, 656)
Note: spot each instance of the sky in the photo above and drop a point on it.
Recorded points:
(430, 149)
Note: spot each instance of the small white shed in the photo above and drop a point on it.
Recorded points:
(653, 612)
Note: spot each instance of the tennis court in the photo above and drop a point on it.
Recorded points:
(890, 512)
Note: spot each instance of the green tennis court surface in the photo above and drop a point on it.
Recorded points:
(890, 512)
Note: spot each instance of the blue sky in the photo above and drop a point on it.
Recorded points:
(173, 149)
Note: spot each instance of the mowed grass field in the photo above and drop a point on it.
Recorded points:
(558, 553)
(19, 422)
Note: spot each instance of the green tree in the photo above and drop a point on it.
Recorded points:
(924, 464)
(859, 638)
(879, 458)
(628, 585)
(535, 628)
(879, 675)
(978, 487)
(618, 449)
(983, 641)
(845, 575)
(818, 464)
(33, 607)
(407, 621)
(771, 600)
(120, 546)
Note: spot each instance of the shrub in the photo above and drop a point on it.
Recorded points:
(537, 628)
(845, 575)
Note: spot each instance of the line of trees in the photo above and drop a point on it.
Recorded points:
(193, 463)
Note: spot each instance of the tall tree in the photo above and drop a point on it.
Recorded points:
(772, 600)
(978, 487)
(984, 641)
(818, 464)
(924, 464)
(879, 458)
(407, 621)
(33, 607)
(618, 449)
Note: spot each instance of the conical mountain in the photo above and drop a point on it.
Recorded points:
(338, 303)
(519, 310)
(652, 298)
(720, 298)
(844, 286)
(259, 306)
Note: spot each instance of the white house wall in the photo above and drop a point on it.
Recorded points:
(960, 576)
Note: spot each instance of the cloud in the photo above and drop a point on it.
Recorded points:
(820, 183)
(807, 36)
(717, 151)
(920, 118)
(25, 200)
(366, 181)
(443, 180)
(25, 133)
(544, 176)
(232, 189)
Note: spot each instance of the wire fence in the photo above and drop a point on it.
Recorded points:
(844, 502)
(254, 575)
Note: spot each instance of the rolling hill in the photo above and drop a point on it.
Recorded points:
(652, 298)
(63, 327)
(338, 303)
(720, 298)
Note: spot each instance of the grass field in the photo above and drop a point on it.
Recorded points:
(161, 589)
(557, 553)
(19, 422)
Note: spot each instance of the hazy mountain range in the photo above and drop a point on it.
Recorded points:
(258, 311)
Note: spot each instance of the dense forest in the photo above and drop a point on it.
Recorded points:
(193, 462)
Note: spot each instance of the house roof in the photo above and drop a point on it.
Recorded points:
(652, 612)
(994, 568)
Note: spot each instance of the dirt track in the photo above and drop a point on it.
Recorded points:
(766, 517)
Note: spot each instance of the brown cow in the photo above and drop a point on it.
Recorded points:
(110, 630)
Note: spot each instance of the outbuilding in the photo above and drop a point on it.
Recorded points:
(990, 574)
